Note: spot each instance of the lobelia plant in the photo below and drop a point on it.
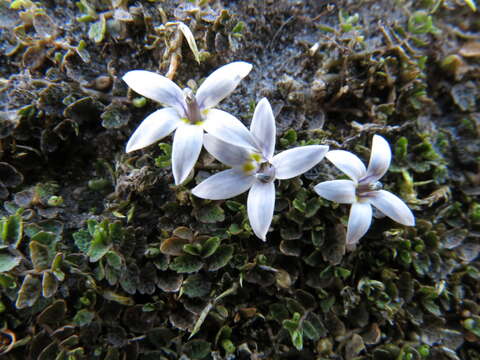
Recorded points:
(188, 114)
(256, 168)
(364, 190)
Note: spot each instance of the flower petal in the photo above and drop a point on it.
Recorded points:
(263, 128)
(219, 84)
(223, 185)
(296, 161)
(154, 127)
(228, 128)
(359, 221)
(228, 154)
(392, 206)
(340, 191)
(156, 87)
(347, 162)
(260, 205)
(380, 158)
(187, 144)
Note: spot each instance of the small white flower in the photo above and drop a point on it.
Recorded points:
(364, 189)
(188, 114)
(256, 169)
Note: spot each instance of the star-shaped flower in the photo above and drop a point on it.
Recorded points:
(188, 114)
(364, 189)
(256, 169)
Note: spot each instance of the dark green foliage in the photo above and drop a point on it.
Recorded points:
(102, 258)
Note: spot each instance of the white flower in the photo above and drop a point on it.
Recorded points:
(256, 169)
(188, 114)
(364, 189)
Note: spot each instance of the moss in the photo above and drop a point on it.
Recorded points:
(94, 237)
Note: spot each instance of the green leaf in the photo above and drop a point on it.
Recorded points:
(288, 138)
(163, 160)
(8, 262)
(186, 264)
(211, 214)
(210, 246)
(49, 284)
(83, 317)
(12, 230)
(114, 260)
(100, 244)
(29, 292)
(196, 286)
(115, 116)
(197, 349)
(82, 240)
(56, 264)
(40, 256)
(296, 333)
(238, 28)
(421, 22)
(221, 257)
(192, 249)
(473, 6)
(98, 30)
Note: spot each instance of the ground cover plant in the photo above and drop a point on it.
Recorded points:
(103, 257)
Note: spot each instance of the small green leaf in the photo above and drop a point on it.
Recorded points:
(163, 160)
(98, 30)
(100, 244)
(211, 214)
(421, 22)
(471, 4)
(221, 257)
(56, 267)
(238, 28)
(29, 292)
(197, 349)
(82, 240)
(49, 284)
(8, 262)
(114, 259)
(186, 264)
(83, 317)
(288, 138)
(210, 246)
(12, 230)
(115, 116)
(40, 256)
(192, 249)
(196, 286)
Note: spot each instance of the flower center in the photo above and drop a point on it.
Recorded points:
(193, 113)
(266, 172)
(364, 188)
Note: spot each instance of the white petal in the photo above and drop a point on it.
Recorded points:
(228, 128)
(156, 87)
(380, 158)
(340, 191)
(228, 154)
(260, 205)
(187, 144)
(349, 163)
(359, 221)
(296, 161)
(223, 185)
(154, 127)
(221, 83)
(392, 206)
(263, 128)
